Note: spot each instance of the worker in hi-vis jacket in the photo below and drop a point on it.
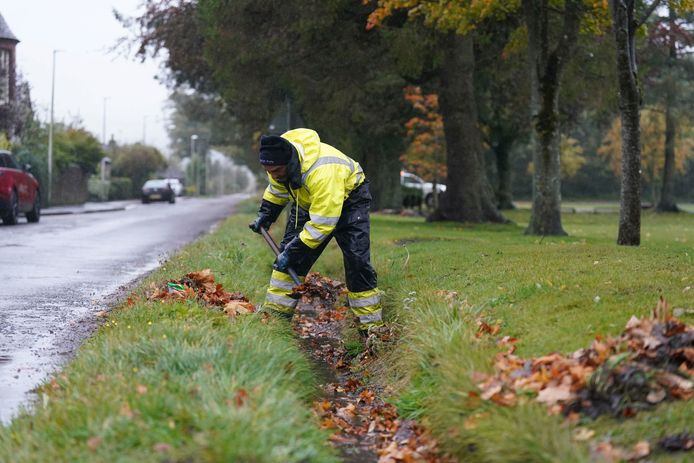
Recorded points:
(330, 197)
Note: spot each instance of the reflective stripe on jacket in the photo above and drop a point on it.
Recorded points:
(327, 178)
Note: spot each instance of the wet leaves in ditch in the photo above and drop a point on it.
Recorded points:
(364, 427)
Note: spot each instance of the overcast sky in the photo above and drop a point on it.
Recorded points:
(86, 72)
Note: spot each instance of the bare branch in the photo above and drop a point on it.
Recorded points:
(648, 13)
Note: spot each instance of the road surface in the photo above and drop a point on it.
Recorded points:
(55, 275)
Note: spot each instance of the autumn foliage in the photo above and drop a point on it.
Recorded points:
(652, 142)
(426, 149)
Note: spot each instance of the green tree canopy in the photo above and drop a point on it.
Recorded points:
(137, 162)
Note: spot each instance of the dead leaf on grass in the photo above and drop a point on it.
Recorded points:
(553, 394)
(582, 434)
(241, 397)
(94, 442)
(234, 308)
(161, 447)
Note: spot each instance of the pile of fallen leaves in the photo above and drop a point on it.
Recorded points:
(651, 361)
(316, 287)
(201, 286)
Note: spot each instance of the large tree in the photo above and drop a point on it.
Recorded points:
(257, 53)
(137, 162)
(549, 49)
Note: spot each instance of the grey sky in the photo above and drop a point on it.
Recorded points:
(86, 72)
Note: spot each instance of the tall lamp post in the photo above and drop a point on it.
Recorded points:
(50, 132)
(103, 122)
(193, 161)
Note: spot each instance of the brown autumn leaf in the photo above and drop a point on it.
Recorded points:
(202, 277)
(126, 411)
(234, 308)
(553, 394)
(673, 381)
(347, 412)
(607, 453)
(352, 384)
(582, 434)
(507, 399)
(94, 442)
(656, 395)
(366, 396)
(240, 397)
(485, 328)
(490, 390)
(323, 406)
(395, 454)
(161, 447)
(639, 451)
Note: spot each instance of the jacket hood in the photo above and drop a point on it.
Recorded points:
(307, 143)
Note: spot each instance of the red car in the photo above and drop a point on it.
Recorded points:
(19, 191)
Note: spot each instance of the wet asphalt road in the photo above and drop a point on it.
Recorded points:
(55, 275)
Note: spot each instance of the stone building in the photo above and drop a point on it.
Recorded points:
(8, 83)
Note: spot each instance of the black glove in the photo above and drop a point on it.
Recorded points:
(267, 215)
(292, 254)
(261, 221)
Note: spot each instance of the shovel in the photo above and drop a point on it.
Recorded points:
(276, 250)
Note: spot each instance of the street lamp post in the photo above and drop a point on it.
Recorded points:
(50, 133)
(193, 161)
(103, 123)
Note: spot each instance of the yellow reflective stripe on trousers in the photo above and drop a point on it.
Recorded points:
(365, 303)
(277, 297)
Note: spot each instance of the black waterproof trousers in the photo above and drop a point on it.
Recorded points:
(352, 234)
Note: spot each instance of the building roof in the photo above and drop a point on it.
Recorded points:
(5, 32)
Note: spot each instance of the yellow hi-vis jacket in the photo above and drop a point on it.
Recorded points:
(327, 177)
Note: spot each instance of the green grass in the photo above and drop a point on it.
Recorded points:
(554, 294)
(178, 382)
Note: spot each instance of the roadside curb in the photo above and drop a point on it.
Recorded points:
(48, 212)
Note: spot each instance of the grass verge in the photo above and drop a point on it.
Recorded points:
(179, 382)
(554, 294)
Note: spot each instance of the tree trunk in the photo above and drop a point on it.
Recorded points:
(504, 195)
(667, 197)
(468, 195)
(629, 99)
(546, 66)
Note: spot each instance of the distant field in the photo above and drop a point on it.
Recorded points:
(596, 206)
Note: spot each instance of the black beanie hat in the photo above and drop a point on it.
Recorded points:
(275, 150)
